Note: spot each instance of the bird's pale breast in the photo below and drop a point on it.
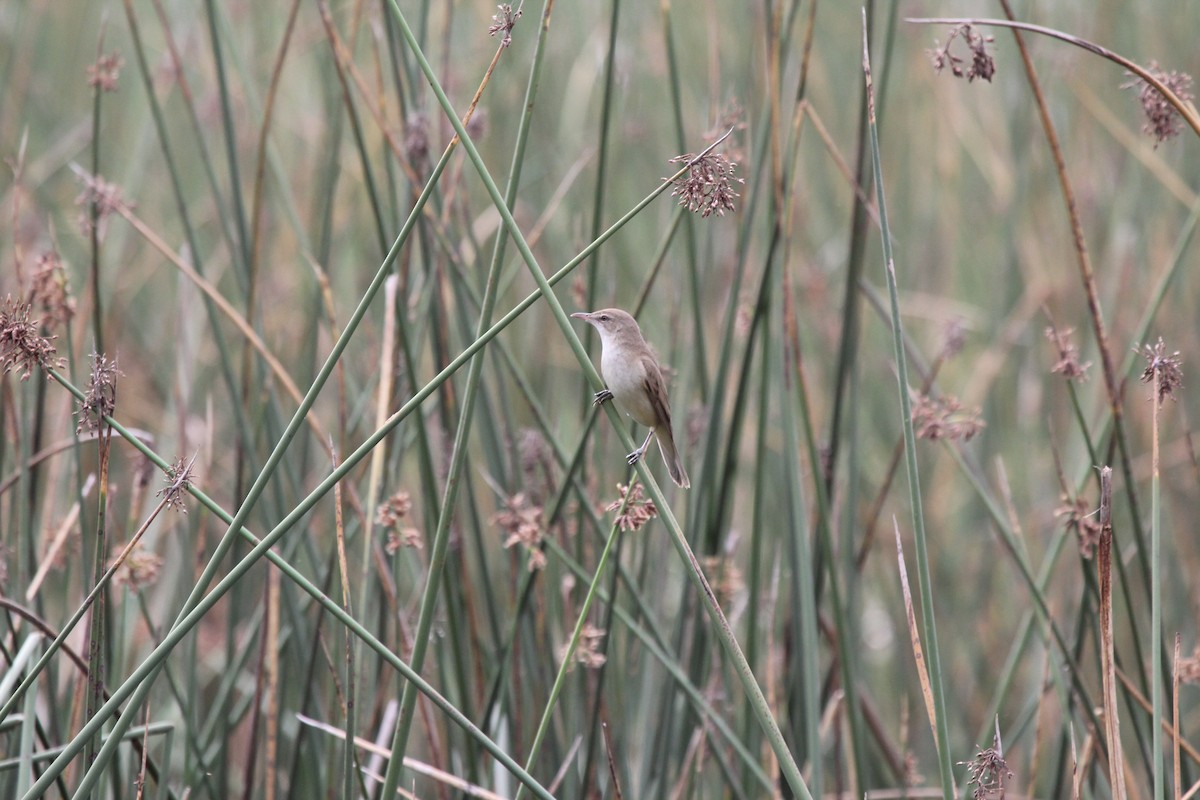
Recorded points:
(626, 379)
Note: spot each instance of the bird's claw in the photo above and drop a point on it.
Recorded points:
(633, 457)
(601, 396)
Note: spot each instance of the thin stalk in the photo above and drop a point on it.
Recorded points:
(564, 666)
(1156, 579)
(437, 556)
(929, 625)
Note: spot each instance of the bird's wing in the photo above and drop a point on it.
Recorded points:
(656, 390)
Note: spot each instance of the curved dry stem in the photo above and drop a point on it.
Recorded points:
(1185, 109)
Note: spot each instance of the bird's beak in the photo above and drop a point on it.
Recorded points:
(582, 315)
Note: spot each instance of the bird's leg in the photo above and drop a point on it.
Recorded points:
(636, 455)
(600, 396)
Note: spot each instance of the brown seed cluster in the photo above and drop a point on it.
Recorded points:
(179, 481)
(707, 186)
(389, 514)
(943, 418)
(50, 290)
(504, 22)
(1189, 668)
(1084, 522)
(104, 197)
(521, 521)
(587, 652)
(1162, 369)
(105, 71)
(638, 511)
(139, 570)
(1162, 118)
(983, 65)
(22, 347)
(989, 772)
(1068, 364)
(100, 399)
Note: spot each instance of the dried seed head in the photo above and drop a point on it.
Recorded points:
(504, 22)
(179, 481)
(21, 344)
(944, 418)
(1085, 524)
(1164, 370)
(989, 772)
(956, 336)
(139, 570)
(1189, 668)
(394, 509)
(50, 290)
(707, 186)
(983, 65)
(1068, 364)
(1162, 118)
(638, 510)
(389, 515)
(100, 400)
(522, 523)
(105, 71)
(104, 198)
(588, 652)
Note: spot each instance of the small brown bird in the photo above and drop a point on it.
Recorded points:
(635, 380)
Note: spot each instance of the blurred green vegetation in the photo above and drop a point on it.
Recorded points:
(291, 227)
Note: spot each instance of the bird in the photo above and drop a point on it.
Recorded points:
(635, 381)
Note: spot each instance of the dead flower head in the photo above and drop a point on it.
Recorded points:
(179, 481)
(50, 290)
(1164, 370)
(100, 400)
(989, 772)
(588, 652)
(504, 22)
(1189, 668)
(1085, 524)
(100, 199)
(1068, 364)
(944, 418)
(638, 510)
(139, 569)
(521, 521)
(104, 73)
(1162, 118)
(955, 334)
(707, 185)
(394, 509)
(22, 347)
(389, 515)
(982, 63)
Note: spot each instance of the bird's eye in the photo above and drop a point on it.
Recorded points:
(605, 317)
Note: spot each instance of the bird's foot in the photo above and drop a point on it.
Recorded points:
(601, 396)
(635, 456)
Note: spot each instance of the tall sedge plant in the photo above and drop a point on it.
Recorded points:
(924, 581)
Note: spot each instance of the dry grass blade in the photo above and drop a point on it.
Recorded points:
(445, 778)
(1143, 702)
(1112, 727)
(915, 634)
(1175, 719)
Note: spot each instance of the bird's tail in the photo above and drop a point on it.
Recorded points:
(666, 446)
